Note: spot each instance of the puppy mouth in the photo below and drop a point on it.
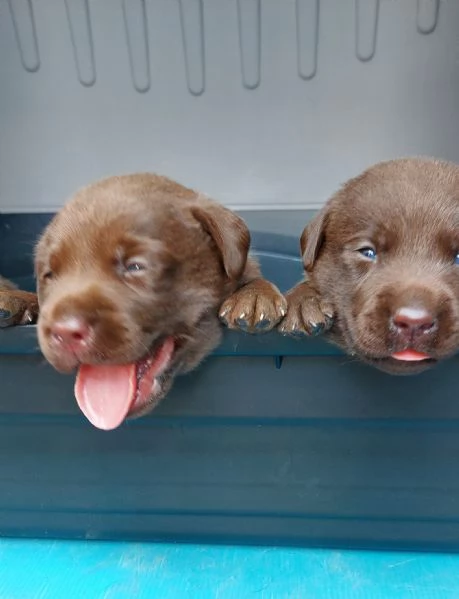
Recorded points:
(408, 361)
(109, 393)
(410, 355)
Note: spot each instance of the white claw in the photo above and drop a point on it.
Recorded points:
(262, 317)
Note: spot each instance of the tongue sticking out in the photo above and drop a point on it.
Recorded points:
(107, 393)
(410, 355)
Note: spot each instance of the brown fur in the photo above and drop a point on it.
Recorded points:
(408, 210)
(16, 306)
(195, 256)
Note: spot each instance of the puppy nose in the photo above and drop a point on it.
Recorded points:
(70, 333)
(414, 321)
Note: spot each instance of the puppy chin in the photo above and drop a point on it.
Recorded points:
(61, 364)
(381, 358)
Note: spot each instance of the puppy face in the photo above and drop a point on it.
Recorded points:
(385, 252)
(130, 275)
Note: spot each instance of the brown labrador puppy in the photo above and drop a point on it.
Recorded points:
(132, 274)
(16, 306)
(382, 266)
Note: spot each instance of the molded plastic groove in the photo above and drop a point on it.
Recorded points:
(136, 25)
(307, 37)
(427, 15)
(249, 25)
(25, 32)
(79, 20)
(366, 28)
(192, 25)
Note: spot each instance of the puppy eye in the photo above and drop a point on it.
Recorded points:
(456, 259)
(368, 252)
(48, 275)
(135, 266)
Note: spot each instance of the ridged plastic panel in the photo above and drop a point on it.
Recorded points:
(264, 104)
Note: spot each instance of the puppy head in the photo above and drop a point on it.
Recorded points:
(130, 275)
(385, 252)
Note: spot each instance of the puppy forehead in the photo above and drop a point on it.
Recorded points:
(397, 204)
(99, 236)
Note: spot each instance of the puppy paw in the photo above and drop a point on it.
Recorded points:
(307, 314)
(17, 307)
(255, 308)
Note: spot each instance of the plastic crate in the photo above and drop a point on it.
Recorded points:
(267, 105)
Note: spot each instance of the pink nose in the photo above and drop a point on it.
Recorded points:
(414, 321)
(70, 333)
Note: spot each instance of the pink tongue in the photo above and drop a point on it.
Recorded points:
(105, 393)
(410, 355)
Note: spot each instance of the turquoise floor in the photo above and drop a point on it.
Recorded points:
(49, 570)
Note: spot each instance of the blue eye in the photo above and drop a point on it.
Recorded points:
(456, 259)
(368, 252)
(135, 266)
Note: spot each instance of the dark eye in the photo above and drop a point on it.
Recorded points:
(135, 266)
(456, 259)
(368, 252)
(48, 275)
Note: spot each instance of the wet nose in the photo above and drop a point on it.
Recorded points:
(412, 322)
(70, 333)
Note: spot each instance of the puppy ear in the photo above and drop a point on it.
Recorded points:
(230, 235)
(312, 238)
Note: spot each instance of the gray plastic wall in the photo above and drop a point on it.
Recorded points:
(263, 104)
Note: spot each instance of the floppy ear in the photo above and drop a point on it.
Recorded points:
(230, 235)
(312, 238)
